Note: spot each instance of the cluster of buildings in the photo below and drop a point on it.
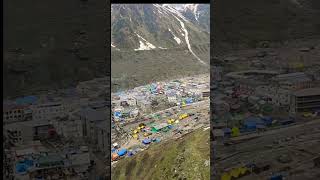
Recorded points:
(262, 91)
(144, 99)
(79, 114)
(35, 161)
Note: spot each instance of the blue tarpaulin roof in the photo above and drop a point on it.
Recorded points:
(26, 100)
(130, 153)
(276, 177)
(117, 114)
(250, 124)
(227, 130)
(254, 120)
(267, 119)
(146, 141)
(189, 100)
(122, 152)
(21, 168)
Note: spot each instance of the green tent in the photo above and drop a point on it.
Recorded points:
(267, 108)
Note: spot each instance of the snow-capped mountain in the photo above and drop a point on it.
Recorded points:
(198, 14)
(153, 42)
(154, 26)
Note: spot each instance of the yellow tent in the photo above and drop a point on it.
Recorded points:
(235, 172)
(235, 132)
(225, 176)
(135, 136)
(183, 116)
(170, 121)
(243, 170)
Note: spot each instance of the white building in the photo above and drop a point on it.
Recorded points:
(48, 111)
(172, 99)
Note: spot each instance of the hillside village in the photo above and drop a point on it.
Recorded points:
(61, 130)
(266, 108)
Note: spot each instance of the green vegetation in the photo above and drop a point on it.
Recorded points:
(174, 159)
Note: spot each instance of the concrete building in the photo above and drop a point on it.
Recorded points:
(293, 81)
(13, 113)
(103, 136)
(89, 117)
(172, 99)
(68, 127)
(305, 100)
(18, 133)
(48, 111)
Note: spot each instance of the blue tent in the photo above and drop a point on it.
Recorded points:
(130, 153)
(21, 168)
(250, 125)
(27, 100)
(227, 131)
(117, 114)
(29, 162)
(122, 152)
(189, 101)
(276, 177)
(146, 141)
(267, 120)
(252, 122)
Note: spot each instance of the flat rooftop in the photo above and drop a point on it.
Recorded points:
(307, 92)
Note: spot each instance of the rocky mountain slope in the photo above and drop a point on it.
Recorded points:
(198, 14)
(52, 44)
(151, 42)
(248, 22)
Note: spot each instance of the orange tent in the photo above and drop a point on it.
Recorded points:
(114, 156)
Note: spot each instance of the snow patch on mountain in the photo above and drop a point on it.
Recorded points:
(112, 45)
(144, 45)
(175, 37)
(193, 8)
(187, 41)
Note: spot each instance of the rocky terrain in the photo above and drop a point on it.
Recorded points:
(153, 42)
(247, 23)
